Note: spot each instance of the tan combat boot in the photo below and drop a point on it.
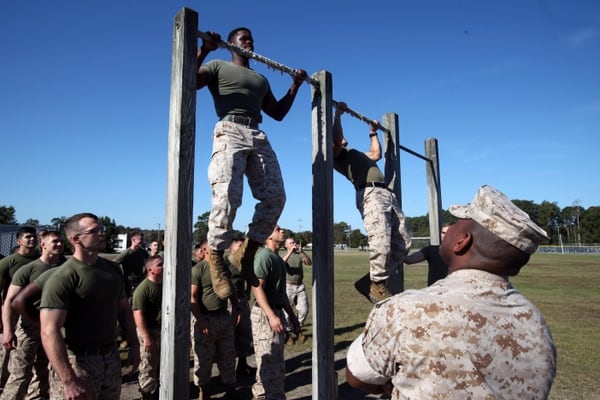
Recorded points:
(379, 291)
(243, 259)
(220, 280)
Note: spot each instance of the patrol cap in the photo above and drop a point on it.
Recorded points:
(494, 211)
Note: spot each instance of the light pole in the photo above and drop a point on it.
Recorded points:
(158, 236)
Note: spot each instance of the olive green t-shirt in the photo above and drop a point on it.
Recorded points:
(9, 265)
(271, 267)
(29, 272)
(91, 295)
(236, 89)
(147, 298)
(201, 278)
(357, 167)
(294, 269)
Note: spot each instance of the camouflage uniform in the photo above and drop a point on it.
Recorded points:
(470, 335)
(149, 367)
(295, 289)
(217, 346)
(99, 374)
(268, 346)
(385, 224)
(239, 151)
(29, 353)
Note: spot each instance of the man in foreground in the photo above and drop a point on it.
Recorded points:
(86, 296)
(470, 335)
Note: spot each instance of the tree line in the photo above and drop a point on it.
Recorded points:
(570, 225)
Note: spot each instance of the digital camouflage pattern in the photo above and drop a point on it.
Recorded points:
(268, 346)
(468, 336)
(384, 221)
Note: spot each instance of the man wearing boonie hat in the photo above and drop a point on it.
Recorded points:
(470, 335)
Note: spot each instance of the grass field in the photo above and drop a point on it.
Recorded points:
(566, 288)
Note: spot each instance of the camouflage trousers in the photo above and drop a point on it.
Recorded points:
(4, 357)
(296, 295)
(149, 369)
(239, 151)
(243, 330)
(389, 240)
(270, 362)
(100, 375)
(27, 358)
(217, 346)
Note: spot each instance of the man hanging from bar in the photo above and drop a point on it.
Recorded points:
(383, 219)
(241, 148)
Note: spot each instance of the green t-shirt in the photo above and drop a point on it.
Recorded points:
(29, 272)
(147, 298)
(357, 167)
(201, 278)
(236, 89)
(91, 295)
(271, 267)
(294, 270)
(9, 265)
(132, 262)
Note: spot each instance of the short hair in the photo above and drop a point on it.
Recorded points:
(72, 223)
(153, 258)
(235, 31)
(136, 233)
(25, 229)
(46, 234)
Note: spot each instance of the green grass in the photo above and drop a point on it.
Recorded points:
(566, 288)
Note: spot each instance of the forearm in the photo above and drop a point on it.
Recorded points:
(56, 350)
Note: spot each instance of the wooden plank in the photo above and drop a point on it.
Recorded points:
(434, 189)
(175, 331)
(324, 384)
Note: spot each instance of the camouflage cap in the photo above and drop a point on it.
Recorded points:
(495, 212)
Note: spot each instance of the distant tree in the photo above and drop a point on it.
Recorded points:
(340, 231)
(358, 239)
(58, 222)
(32, 222)
(7, 215)
(112, 230)
(201, 228)
(590, 225)
(304, 237)
(418, 226)
(549, 219)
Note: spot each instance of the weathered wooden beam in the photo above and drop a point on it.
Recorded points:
(434, 188)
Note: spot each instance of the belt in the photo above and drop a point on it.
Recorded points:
(242, 120)
(216, 312)
(100, 351)
(294, 283)
(372, 184)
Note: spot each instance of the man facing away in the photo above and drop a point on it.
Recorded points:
(132, 261)
(470, 335)
(86, 296)
(241, 148)
(384, 221)
(20, 336)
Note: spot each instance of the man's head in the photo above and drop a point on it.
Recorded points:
(51, 243)
(493, 234)
(154, 246)
(154, 268)
(26, 239)
(201, 251)
(137, 239)
(241, 37)
(84, 231)
(290, 243)
(236, 243)
(277, 237)
(444, 230)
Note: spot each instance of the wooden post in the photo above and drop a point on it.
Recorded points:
(175, 331)
(393, 178)
(434, 188)
(324, 380)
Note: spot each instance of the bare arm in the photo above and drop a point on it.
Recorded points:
(142, 327)
(374, 152)
(261, 298)
(415, 257)
(206, 47)
(196, 308)
(338, 132)
(9, 319)
(278, 109)
(23, 303)
(51, 321)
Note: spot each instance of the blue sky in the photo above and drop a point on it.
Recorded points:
(509, 88)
